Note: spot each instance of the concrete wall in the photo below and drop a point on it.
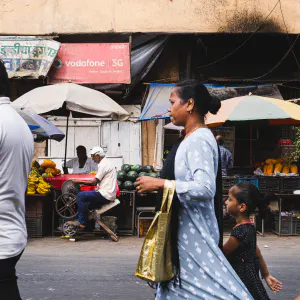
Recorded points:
(41, 17)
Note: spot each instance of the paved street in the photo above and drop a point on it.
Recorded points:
(57, 269)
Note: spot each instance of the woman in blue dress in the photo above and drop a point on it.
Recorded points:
(202, 269)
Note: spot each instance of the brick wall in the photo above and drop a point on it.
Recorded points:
(39, 149)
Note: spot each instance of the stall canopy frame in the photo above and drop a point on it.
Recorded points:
(157, 102)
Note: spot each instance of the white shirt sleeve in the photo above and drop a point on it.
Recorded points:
(70, 163)
(101, 172)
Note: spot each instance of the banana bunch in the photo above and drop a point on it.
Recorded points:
(31, 189)
(32, 183)
(36, 184)
(34, 174)
(43, 187)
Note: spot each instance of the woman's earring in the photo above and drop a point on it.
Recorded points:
(190, 111)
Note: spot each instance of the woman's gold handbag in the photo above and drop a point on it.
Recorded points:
(155, 262)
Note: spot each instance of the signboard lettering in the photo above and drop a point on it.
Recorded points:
(92, 63)
(27, 57)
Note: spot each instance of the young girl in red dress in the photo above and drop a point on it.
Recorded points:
(241, 248)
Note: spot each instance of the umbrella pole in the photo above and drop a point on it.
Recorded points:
(251, 150)
(66, 146)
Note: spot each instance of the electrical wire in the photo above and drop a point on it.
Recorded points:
(290, 49)
(279, 63)
(230, 53)
(240, 46)
(289, 87)
(283, 19)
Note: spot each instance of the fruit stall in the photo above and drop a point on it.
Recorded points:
(39, 199)
(139, 203)
(277, 178)
(45, 184)
(129, 173)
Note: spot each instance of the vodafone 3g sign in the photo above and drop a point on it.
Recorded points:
(92, 63)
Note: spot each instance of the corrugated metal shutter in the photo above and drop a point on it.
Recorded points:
(86, 133)
(122, 139)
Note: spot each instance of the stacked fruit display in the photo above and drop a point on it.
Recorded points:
(36, 184)
(48, 169)
(274, 166)
(129, 173)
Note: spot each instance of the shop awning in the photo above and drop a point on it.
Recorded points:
(157, 102)
(27, 56)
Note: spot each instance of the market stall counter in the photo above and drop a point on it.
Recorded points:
(38, 204)
(57, 181)
(285, 205)
(124, 212)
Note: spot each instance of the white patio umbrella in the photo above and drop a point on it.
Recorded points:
(61, 99)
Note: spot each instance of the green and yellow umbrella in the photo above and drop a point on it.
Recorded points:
(251, 108)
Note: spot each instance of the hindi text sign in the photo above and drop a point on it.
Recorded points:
(24, 57)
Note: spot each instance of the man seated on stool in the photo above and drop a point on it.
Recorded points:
(105, 192)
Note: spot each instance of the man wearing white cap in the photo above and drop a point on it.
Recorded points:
(105, 179)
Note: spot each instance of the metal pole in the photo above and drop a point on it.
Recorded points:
(66, 145)
(130, 46)
(188, 64)
(251, 150)
(279, 224)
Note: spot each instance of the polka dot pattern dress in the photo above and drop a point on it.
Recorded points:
(245, 262)
(205, 273)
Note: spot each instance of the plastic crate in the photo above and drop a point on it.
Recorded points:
(34, 207)
(296, 226)
(289, 184)
(34, 227)
(252, 180)
(227, 183)
(269, 184)
(287, 225)
(273, 184)
(37, 206)
(39, 227)
(262, 184)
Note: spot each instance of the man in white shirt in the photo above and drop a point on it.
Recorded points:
(106, 180)
(81, 164)
(16, 153)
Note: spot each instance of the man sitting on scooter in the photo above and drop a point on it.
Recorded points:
(105, 192)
